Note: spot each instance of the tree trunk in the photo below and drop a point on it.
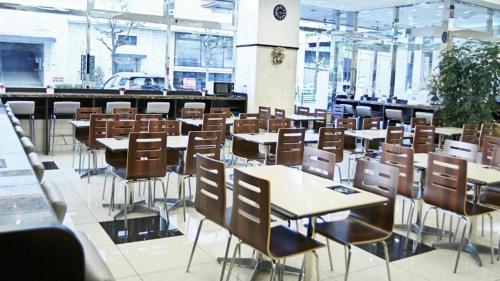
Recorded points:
(113, 64)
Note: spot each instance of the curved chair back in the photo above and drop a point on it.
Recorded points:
(395, 135)
(302, 110)
(192, 113)
(320, 123)
(148, 117)
(97, 128)
(382, 180)
(125, 113)
(243, 148)
(158, 108)
(463, 150)
(215, 122)
(437, 122)
(211, 189)
(489, 144)
(495, 158)
(423, 139)
(394, 114)
(469, 133)
(348, 124)
(445, 183)
(147, 156)
(171, 127)
(371, 123)
(66, 107)
(206, 143)
(221, 110)
(273, 125)
(426, 115)
(110, 106)
(348, 109)
(418, 121)
(199, 105)
(83, 113)
(22, 107)
(486, 130)
(290, 147)
(249, 116)
(402, 158)
(264, 115)
(364, 111)
(251, 211)
(318, 162)
(246, 126)
(117, 129)
(279, 113)
(332, 140)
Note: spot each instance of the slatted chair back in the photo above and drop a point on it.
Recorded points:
(171, 127)
(83, 113)
(215, 122)
(348, 124)
(97, 128)
(418, 121)
(437, 122)
(125, 113)
(206, 143)
(402, 158)
(148, 117)
(243, 148)
(147, 156)
(469, 133)
(302, 110)
(332, 140)
(290, 147)
(382, 180)
(459, 149)
(264, 115)
(211, 189)
(118, 129)
(192, 113)
(273, 125)
(249, 116)
(445, 183)
(251, 211)
(394, 135)
(495, 157)
(221, 110)
(323, 114)
(371, 123)
(279, 113)
(318, 162)
(489, 144)
(423, 139)
(486, 130)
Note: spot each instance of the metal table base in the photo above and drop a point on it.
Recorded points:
(260, 265)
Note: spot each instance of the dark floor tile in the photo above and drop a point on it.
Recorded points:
(50, 165)
(395, 245)
(139, 229)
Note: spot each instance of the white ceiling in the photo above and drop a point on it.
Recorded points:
(359, 5)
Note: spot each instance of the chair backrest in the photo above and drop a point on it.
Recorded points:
(110, 106)
(445, 182)
(215, 122)
(423, 139)
(66, 107)
(97, 128)
(211, 189)
(223, 110)
(486, 130)
(246, 126)
(158, 107)
(437, 122)
(371, 123)
(22, 107)
(346, 123)
(279, 113)
(426, 115)
(320, 123)
(489, 143)
(318, 162)
(338, 111)
(459, 149)
(395, 135)
(206, 143)
(265, 110)
(394, 114)
(348, 108)
(148, 117)
(192, 113)
(332, 140)
(83, 113)
(273, 125)
(199, 105)
(264, 115)
(116, 129)
(125, 113)
(251, 211)
(302, 110)
(495, 157)
(363, 111)
(469, 133)
(171, 127)
(249, 116)
(382, 180)
(147, 155)
(290, 147)
(418, 121)
(402, 158)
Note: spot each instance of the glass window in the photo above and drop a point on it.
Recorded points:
(196, 80)
(201, 50)
(187, 50)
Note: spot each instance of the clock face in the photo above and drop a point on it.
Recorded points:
(279, 12)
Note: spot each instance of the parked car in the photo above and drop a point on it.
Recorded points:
(134, 81)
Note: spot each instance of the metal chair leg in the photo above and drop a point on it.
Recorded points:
(273, 271)
(194, 245)
(482, 226)
(232, 261)
(88, 172)
(316, 257)
(419, 236)
(53, 121)
(329, 253)
(225, 257)
(409, 221)
(386, 255)
(460, 246)
(106, 173)
(112, 198)
(492, 250)
(183, 192)
(403, 213)
(125, 206)
(348, 261)
(165, 205)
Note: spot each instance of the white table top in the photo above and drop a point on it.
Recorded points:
(120, 144)
(199, 122)
(301, 195)
(372, 134)
(476, 172)
(448, 131)
(296, 117)
(80, 124)
(272, 138)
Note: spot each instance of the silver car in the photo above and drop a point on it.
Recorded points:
(134, 81)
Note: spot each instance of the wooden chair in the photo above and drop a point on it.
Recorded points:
(223, 110)
(273, 125)
(445, 189)
(318, 162)
(249, 116)
(251, 224)
(302, 110)
(206, 143)
(371, 123)
(290, 147)
(148, 117)
(83, 113)
(469, 133)
(463, 150)
(279, 113)
(423, 139)
(348, 124)
(264, 115)
(215, 122)
(437, 122)
(242, 149)
(402, 158)
(192, 113)
(370, 224)
(82, 134)
(332, 140)
(486, 130)
(394, 135)
(320, 123)
(489, 144)
(418, 121)
(171, 128)
(146, 161)
(211, 199)
(125, 113)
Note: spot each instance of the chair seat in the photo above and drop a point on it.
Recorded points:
(477, 209)
(351, 231)
(286, 242)
(491, 195)
(121, 172)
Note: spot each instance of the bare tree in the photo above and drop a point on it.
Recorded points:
(112, 30)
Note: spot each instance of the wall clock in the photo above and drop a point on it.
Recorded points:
(279, 12)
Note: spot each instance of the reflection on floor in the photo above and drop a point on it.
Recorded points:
(50, 165)
(139, 229)
(395, 244)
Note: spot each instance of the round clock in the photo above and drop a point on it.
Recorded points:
(279, 12)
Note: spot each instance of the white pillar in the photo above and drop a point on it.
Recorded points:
(267, 84)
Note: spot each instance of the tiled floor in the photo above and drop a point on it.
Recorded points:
(166, 258)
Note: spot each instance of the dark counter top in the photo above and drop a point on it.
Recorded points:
(170, 96)
(415, 106)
